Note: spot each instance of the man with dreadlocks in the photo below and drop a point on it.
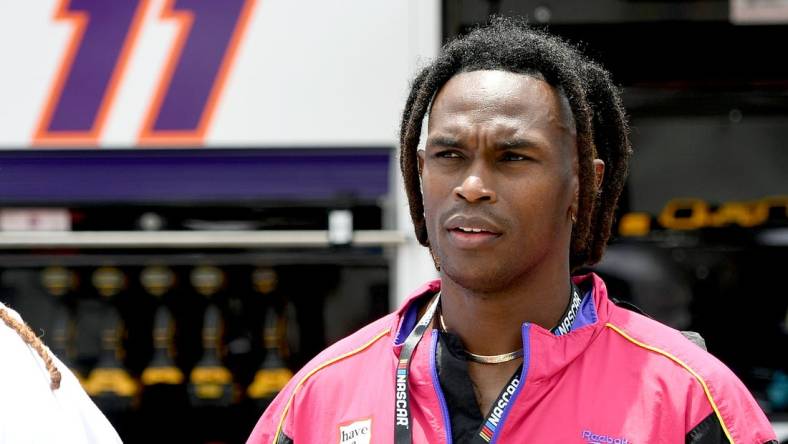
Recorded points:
(525, 157)
(41, 401)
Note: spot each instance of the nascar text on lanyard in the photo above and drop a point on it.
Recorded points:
(402, 420)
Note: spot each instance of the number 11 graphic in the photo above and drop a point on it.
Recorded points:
(188, 88)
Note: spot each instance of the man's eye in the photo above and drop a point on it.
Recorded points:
(513, 157)
(448, 155)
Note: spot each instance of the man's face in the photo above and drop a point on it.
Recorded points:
(499, 177)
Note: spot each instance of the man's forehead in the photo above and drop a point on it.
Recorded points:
(503, 93)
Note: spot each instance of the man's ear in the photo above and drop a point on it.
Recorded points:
(599, 173)
(420, 154)
(573, 208)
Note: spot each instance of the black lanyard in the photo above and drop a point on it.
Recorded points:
(495, 415)
(402, 419)
(570, 314)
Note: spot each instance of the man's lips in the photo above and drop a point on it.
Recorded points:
(472, 224)
(469, 232)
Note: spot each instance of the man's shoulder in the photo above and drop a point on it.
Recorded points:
(358, 342)
(338, 372)
(324, 375)
(370, 338)
(351, 351)
(703, 375)
(651, 336)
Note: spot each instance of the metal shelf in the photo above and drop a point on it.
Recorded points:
(192, 239)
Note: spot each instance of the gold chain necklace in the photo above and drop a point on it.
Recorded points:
(484, 359)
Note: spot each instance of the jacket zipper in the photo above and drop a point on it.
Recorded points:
(437, 386)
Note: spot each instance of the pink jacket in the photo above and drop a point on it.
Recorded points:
(621, 379)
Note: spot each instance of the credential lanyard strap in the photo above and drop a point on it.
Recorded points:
(565, 324)
(402, 420)
(495, 415)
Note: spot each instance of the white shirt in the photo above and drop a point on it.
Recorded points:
(31, 412)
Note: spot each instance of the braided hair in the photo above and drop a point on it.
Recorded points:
(509, 44)
(35, 343)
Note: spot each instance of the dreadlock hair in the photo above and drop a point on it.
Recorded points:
(509, 44)
(35, 343)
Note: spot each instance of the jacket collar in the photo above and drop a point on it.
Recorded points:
(406, 316)
(551, 353)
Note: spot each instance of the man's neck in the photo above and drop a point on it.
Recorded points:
(490, 323)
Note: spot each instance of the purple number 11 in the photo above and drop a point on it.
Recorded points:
(189, 86)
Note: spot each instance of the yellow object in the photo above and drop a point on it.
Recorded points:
(110, 380)
(766, 204)
(157, 280)
(698, 212)
(162, 375)
(264, 280)
(211, 375)
(635, 224)
(58, 281)
(268, 382)
(742, 214)
(209, 391)
(109, 281)
(207, 280)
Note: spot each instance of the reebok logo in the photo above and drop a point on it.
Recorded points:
(593, 438)
(358, 432)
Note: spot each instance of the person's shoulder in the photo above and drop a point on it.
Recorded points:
(83, 416)
(369, 340)
(21, 363)
(680, 359)
(359, 355)
(29, 400)
(356, 345)
(648, 334)
(340, 362)
(348, 353)
(655, 337)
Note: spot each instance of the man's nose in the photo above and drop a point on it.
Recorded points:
(473, 189)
